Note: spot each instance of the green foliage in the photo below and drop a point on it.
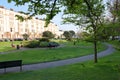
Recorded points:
(49, 8)
(48, 34)
(114, 9)
(32, 44)
(43, 40)
(72, 33)
(88, 13)
(43, 44)
(53, 44)
(48, 44)
(69, 34)
(116, 44)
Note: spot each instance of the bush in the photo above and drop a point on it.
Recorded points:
(53, 44)
(43, 44)
(32, 44)
(18, 39)
(44, 40)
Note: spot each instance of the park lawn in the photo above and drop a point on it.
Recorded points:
(108, 68)
(116, 44)
(46, 55)
(6, 46)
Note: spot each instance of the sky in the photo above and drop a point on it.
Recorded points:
(57, 19)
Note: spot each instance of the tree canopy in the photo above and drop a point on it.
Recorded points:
(48, 34)
(114, 9)
(49, 8)
(69, 34)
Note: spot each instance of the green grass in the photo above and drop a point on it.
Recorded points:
(6, 46)
(108, 68)
(46, 55)
(116, 44)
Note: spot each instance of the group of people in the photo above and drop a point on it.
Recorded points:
(17, 46)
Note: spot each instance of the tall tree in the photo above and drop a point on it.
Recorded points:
(72, 33)
(114, 9)
(67, 35)
(86, 12)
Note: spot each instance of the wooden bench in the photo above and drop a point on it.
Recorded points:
(7, 64)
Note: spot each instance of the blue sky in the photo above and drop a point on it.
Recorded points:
(57, 19)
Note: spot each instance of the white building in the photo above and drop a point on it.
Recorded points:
(12, 28)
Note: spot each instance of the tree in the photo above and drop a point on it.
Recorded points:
(83, 35)
(69, 34)
(25, 36)
(88, 12)
(72, 33)
(114, 9)
(109, 31)
(48, 34)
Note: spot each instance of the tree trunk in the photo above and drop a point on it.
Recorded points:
(94, 25)
(95, 52)
(95, 44)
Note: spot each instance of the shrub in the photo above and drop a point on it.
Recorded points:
(44, 40)
(43, 44)
(32, 44)
(18, 39)
(53, 44)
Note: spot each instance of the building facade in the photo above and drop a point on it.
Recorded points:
(12, 28)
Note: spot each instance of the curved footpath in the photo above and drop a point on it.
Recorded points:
(39, 66)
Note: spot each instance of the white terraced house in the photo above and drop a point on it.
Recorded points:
(12, 28)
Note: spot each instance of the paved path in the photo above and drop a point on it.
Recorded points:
(30, 67)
